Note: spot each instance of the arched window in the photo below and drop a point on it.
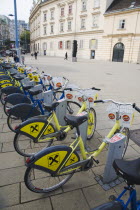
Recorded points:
(118, 52)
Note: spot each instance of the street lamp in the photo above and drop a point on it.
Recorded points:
(16, 30)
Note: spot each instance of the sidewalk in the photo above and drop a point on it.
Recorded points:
(82, 192)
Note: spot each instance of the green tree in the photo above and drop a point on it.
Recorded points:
(25, 39)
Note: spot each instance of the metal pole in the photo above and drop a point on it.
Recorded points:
(16, 31)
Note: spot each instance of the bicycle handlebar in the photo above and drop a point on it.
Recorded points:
(136, 108)
(110, 100)
(93, 88)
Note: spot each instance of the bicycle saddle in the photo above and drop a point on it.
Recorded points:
(129, 170)
(52, 107)
(13, 73)
(35, 92)
(27, 87)
(75, 121)
(18, 78)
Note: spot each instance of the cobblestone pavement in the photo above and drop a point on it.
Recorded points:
(118, 81)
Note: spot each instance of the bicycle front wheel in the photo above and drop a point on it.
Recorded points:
(125, 132)
(42, 182)
(73, 107)
(25, 146)
(91, 123)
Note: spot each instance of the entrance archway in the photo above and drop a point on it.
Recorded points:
(118, 52)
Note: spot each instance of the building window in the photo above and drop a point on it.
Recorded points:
(45, 30)
(81, 44)
(70, 10)
(52, 29)
(44, 46)
(61, 27)
(60, 45)
(45, 17)
(52, 15)
(82, 23)
(84, 5)
(95, 21)
(68, 44)
(51, 45)
(69, 25)
(62, 11)
(122, 24)
(93, 44)
(96, 3)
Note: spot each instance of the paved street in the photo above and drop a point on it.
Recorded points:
(119, 81)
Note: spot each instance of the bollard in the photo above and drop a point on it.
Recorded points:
(115, 150)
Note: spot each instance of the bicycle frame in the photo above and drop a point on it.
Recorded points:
(132, 200)
(79, 142)
(54, 118)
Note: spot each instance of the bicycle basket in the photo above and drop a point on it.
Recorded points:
(126, 113)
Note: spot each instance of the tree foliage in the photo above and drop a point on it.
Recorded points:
(25, 37)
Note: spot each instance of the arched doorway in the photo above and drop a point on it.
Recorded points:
(118, 52)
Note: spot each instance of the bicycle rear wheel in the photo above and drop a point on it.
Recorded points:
(7, 107)
(25, 146)
(42, 182)
(2, 98)
(13, 122)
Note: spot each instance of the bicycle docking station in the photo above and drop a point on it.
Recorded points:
(61, 111)
(115, 151)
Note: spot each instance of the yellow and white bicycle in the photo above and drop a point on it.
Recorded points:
(52, 167)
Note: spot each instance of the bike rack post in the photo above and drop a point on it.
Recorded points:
(115, 150)
(48, 98)
(83, 130)
(61, 111)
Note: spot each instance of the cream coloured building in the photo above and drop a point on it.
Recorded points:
(94, 24)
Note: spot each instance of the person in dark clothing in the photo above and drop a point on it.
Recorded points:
(35, 54)
(66, 56)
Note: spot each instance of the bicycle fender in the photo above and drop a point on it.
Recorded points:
(17, 98)
(10, 90)
(53, 158)
(24, 111)
(7, 84)
(33, 128)
(4, 81)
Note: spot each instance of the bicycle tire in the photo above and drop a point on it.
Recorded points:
(126, 132)
(73, 107)
(13, 122)
(57, 95)
(2, 96)
(91, 123)
(34, 180)
(31, 146)
(7, 106)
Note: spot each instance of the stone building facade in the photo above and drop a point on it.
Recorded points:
(103, 29)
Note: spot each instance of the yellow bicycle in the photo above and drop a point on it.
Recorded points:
(34, 134)
(52, 167)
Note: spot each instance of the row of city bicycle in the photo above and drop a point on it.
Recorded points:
(42, 110)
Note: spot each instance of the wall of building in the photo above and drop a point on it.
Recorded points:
(106, 32)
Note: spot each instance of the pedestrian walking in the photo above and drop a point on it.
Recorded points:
(66, 56)
(35, 54)
(23, 59)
